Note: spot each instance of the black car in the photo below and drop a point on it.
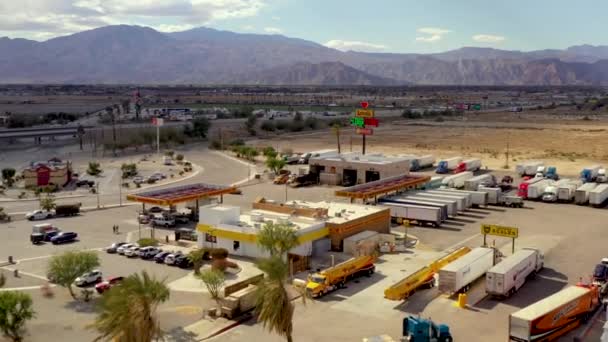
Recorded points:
(36, 238)
(160, 257)
(84, 182)
(64, 237)
(113, 247)
(156, 210)
(50, 234)
(183, 261)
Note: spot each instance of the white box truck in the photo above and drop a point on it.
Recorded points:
(581, 195)
(457, 180)
(536, 190)
(460, 202)
(421, 214)
(478, 198)
(482, 180)
(598, 196)
(528, 168)
(493, 194)
(460, 274)
(511, 273)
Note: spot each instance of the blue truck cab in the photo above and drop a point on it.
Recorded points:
(442, 167)
(418, 329)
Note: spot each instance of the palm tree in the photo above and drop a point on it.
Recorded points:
(336, 128)
(128, 312)
(277, 239)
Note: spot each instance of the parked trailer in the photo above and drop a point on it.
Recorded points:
(589, 174)
(423, 215)
(421, 162)
(509, 275)
(460, 202)
(459, 275)
(528, 168)
(448, 165)
(598, 195)
(468, 165)
(493, 194)
(434, 183)
(478, 198)
(536, 190)
(474, 183)
(465, 199)
(581, 195)
(457, 180)
(443, 208)
(554, 316)
(451, 205)
(523, 186)
(567, 190)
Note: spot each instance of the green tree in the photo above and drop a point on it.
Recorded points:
(269, 151)
(250, 124)
(268, 126)
(66, 267)
(197, 257)
(2, 279)
(94, 168)
(214, 281)
(8, 174)
(127, 313)
(277, 239)
(15, 310)
(275, 164)
(200, 127)
(297, 117)
(47, 202)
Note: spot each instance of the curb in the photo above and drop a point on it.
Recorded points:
(37, 199)
(240, 321)
(193, 174)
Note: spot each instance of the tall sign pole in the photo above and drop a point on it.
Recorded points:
(364, 117)
(156, 121)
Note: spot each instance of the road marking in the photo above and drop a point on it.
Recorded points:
(458, 244)
(26, 273)
(25, 288)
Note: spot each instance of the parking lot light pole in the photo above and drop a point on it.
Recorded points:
(139, 227)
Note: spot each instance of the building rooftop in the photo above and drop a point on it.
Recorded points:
(338, 212)
(357, 157)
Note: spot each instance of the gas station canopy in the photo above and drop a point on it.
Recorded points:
(383, 186)
(180, 194)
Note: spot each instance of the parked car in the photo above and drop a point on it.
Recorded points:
(155, 210)
(149, 252)
(138, 180)
(132, 252)
(158, 176)
(36, 238)
(160, 257)
(114, 247)
(163, 221)
(64, 237)
(108, 284)
(39, 215)
(182, 261)
(85, 182)
(89, 278)
(121, 250)
(48, 236)
(170, 259)
(181, 218)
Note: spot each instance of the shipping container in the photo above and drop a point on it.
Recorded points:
(448, 165)
(554, 316)
(493, 194)
(598, 195)
(451, 204)
(510, 274)
(477, 198)
(444, 210)
(468, 165)
(474, 183)
(567, 190)
(460, 274)
(581, 195)
(460, 202)
(536, 190)
(465, 199)
(528, 168)
(457, 181)
(423, 215)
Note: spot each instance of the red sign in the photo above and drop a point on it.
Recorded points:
(364, 131)
(371, 122)
(364, 104)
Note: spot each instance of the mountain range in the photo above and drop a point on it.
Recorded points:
(141, 55)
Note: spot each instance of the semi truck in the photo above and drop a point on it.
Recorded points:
(509, 275)
(457, 181)
(523, 186)
(528, 168)
(387, 201)
(536, 190)
(549, 172)
(589, 174)
(468, 165)
(239, 302)
(448, 165)
(474, 183)
(421, 162)
(424, 330)
(335, 277)
(598, 195)
(419, 214)
(601, 176)
(459, 275)
(494, 194)
(554, 316)
(581, 195)
(452, 206)
(434, 183)
(477, 198)
(67, 209)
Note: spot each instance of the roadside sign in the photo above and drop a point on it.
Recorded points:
(364, 104)
(476, 106)
(357, 122)
(491, 229)
(370, 122)
(365, 113)
(364, 131)
(157, 121)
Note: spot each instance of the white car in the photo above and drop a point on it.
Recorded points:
(39, 215)
(132, 252)
(122, 249)
(170, 259)
(89, 278)
(163, 221)
(158, 176)
(148, 252)
(138, 180)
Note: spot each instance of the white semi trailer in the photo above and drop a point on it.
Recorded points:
(509, 275)
(460, 274)
(581, 195)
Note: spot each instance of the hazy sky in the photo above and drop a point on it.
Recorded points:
(380, 25)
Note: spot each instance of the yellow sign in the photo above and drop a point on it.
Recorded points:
(365, 113)
(490, 229)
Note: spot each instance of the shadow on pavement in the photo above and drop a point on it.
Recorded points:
(460, 219)
(418, 301)
(352, 287)
(442, 227)
(81, 306)
(180, 335)
(500, 210)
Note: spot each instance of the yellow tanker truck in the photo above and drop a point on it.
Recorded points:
(335, 277)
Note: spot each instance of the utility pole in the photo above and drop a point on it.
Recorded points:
(120, 192)
(97, 192)
(363, 143)
(157, 139)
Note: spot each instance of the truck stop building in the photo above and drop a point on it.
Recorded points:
(355, 168)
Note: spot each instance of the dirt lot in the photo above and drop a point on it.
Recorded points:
(570, 144)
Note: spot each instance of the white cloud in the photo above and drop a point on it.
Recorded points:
(276, 18)
(345, 45)
(248, 28)
(488, 38)
(273, 30)
(174, 28)
(47, 18)
(432, 34)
